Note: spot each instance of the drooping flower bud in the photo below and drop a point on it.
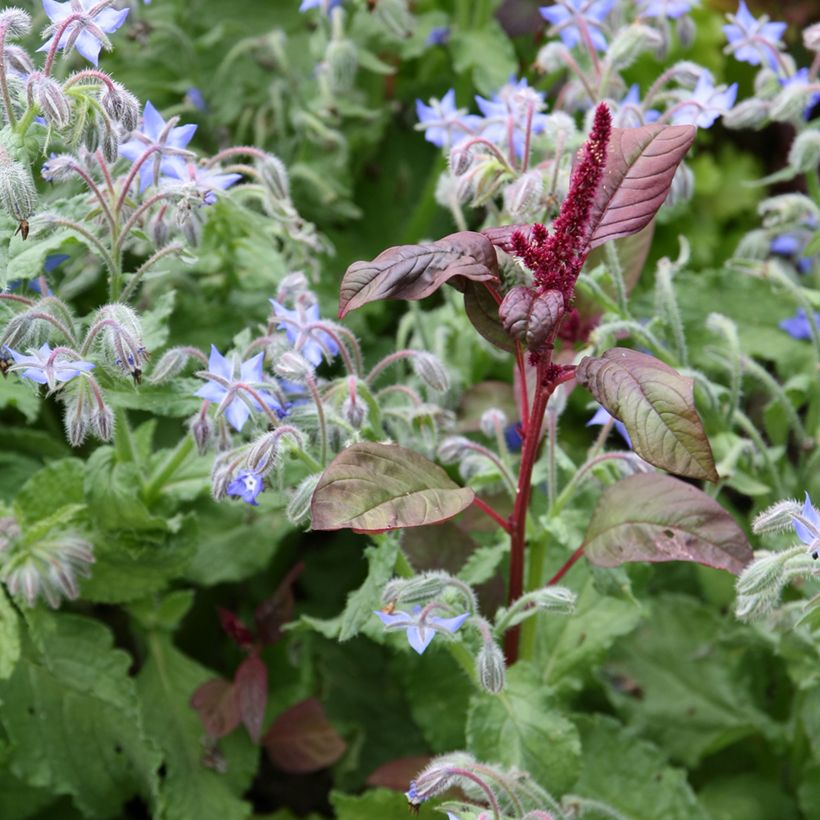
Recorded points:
(201, 428)
(804, 155)
(492, 420)
(551, 58)
(48, 95)
(18, 196)
(274, 177)
(452, 449)
(417, 590)
(16, 22)
(293, 367)
(811, 37)
(524, 194)
(682, 187)
(491, 668)
(171, 364)
(121, 105)
(298, 508)
(686, 30)
(460, 159)
(630, 42)
(751, 113)
(431, 371)
(342, 63)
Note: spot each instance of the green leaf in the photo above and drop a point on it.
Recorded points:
(656, 404)
(652, 517)
(631, 775)
(9, 637)
(58, 484)
(521, 727)
(376, 487)
(20, 395)
(487, 53)
(175, 399)
(751, 795)
(27, 257)
(71, 711)
(378, 804)
(695, 679)
(190, 788)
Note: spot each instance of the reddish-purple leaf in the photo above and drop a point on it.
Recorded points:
(416, 271)
(640, 164)
(302, 740)
(373, 487)
(655, 517)
(218, 708)
(251, 683)
(531, 317)
(396, 774)
(656, 404)
(236, 630)
(502, 237)
(482, 311)
(277, 610)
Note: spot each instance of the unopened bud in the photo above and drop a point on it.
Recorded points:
(48, 95)
(682, 187)
(298, 508)
(460, 159)
(804, 155)
(121, 105)
(58, 168)
(18, 59)
(685, 29)
(395, 17)
(9, 531)
(77, 417)
(558, 600)
(630, 42)
(293, 367)
(291, 287)
(686, 73)
(431, 371)
(776, 518)
(202, 429)
(18, 196)
(762, 574)
(417, 590)
(791, 102)
(274, 177)
(171, 364)
(102, 422)
(342, 62)
(811, 37)
(785, 208)
(109, 145)
(491, 668)
(158, 229)
(452, 449)
(754, 245)
(263, 452)
(16, 22)
(552, 57)
(354, 412)
(492, 420)
(751, 113)
(524, 195)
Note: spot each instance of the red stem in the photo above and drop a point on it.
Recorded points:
(567, 566)
(501, 521)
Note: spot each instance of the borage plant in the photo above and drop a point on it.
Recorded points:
(620, 179)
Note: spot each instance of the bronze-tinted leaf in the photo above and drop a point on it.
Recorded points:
(656, 404)
(251, 683)
(655, 517)
(502, 237)
(482, 311)
(216, 703)
(375, 487)
(302, 740)
(416, 271)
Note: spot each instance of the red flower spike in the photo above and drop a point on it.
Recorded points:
(236, 630)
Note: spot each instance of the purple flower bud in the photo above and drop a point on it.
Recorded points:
(201, 428)
(48, 95)
(121, 105)
(16, 22)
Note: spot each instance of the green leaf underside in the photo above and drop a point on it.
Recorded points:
(653, 517)
(482, 311)
(656, 405)
(375, 487)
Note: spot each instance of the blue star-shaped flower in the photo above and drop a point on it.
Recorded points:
(753, 40)
(443, 124)
(630, 111)
(43, 367)
(237, 410)
(569, 17)
(93, 27)
(247, 485)
(508, 112)
(791, 245)
(315, 341)
(602, 417)
(327, 5)
(705, 105)
(667, 8)
(798, 326)
(809, 535)
(420, 631)
(206, 180)
(170, 143)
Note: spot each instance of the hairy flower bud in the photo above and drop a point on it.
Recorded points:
(791, 102)
(263, 454)
(811, 37)
(418, 590)
(102, 422)
(121, 105)
(48, 95)
(492, 420)
(298, 509)
(452, 449)
(751, 113)
(804, 154)
(395, 17)
(59, 168)
(18, 59)
(491, 668)
(274, 177)
(776, 518)
(524, 195)
(431, 371)
(630, 42)
(109, 145)
(201, 428)
(18, 196)
(171, 364)
(686, 30)
(685, 73)
(460, 159)
(682, 187)
(16, 22)
(354, 411)
(551, 58)
(293, 367)
(342, 63)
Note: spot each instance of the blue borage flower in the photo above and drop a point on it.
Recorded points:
(705, 104)
(791, 244)
(802, 77)
(326, 5)
(667, 8)
(420, 625)
(443, 124)
(438, 36)
(575, 21)
(226, 387)
(247, 485)
(314, 342)
(809, 532)
(631, 113)
(169, 143)
(798, 326)
(602, 416)
(752, 40)
(47, 366)
(94, 21)
(207, 180)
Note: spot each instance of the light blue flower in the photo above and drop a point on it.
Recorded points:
(510, 110)
(602, 416)
(314, 342)
(443, 124)
(421, 628)
(46, 367)
(753, 40)
(247, 485)
(631, 113)
(809, 535)
(438, 36)
(207, 180)
(798, 326)
(791, 245)
(570, 17)
(326, 5)
(667, 8)
(92, 27)
(801, 77)
(228, 386)
(705, 105)
(170, 142)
